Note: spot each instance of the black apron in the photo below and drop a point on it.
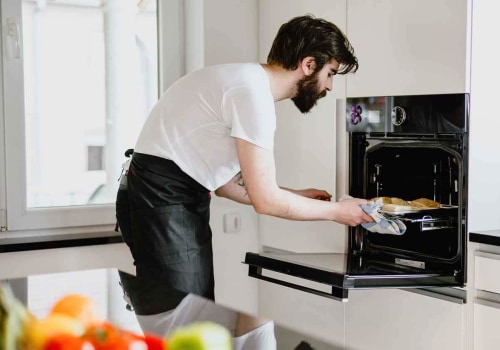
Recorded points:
(163, 215)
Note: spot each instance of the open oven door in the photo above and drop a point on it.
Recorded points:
(333, 275)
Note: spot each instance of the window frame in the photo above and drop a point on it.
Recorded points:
(15, 218)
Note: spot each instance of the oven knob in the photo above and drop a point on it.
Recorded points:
(398, 116)
(356, 111)
(355, 118)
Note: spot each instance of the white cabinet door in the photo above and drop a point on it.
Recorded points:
(396, 319)
(486, 306)
(486, 321)
(408, 47)
(319, 317)
(484, 164)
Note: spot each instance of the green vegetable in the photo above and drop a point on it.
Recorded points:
(200, 336)
(13, 318)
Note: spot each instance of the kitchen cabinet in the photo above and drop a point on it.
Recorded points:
(484, 166)
(398, 319)
(371, 319)
(306, 313)
(401, 52)
(486, 321)
(409, 47)
(231, 276)
(485, 291)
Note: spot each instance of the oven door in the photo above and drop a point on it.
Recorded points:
(333, 275)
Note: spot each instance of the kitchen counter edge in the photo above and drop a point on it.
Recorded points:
(8, 245)
(491, 237)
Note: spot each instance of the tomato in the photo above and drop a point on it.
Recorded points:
(154, 342)
(105, 336)
(67, 342)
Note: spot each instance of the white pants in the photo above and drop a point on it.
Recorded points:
(194, 308)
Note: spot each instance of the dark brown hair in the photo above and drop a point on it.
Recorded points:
(307, 36)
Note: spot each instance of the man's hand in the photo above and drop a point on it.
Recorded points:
(349, 212)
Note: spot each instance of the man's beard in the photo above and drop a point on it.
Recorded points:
(308, 93)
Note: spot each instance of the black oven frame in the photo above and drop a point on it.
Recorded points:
(375, 254)
(383, 118)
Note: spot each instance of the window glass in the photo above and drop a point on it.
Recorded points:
(90, 78)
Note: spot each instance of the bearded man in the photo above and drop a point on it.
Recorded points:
(213, 131)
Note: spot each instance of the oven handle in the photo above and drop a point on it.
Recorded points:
(428, 223)
(336, 294)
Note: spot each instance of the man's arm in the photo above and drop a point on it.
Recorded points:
(236, 191)
(258, 170)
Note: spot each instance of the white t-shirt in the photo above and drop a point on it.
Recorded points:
(196, 121)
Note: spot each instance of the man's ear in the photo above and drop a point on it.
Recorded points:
(308, 65)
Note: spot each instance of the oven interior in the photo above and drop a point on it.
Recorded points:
(410, 168)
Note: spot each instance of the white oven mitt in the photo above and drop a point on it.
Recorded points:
(383, 224)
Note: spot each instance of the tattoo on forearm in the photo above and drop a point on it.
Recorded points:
(238, 179)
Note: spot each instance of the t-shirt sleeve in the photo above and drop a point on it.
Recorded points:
(251, 116)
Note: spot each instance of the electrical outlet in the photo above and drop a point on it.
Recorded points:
(231, 222)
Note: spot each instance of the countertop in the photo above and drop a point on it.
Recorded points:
(491, 237)
(102, 286)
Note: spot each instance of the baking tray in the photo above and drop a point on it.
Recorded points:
(410, 210)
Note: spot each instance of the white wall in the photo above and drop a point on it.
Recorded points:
(230, 31)
(484, 167)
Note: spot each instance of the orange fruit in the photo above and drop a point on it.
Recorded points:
(77, 306)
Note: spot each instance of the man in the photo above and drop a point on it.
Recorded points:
(213, 130)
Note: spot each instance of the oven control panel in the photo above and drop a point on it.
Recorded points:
(446, 113)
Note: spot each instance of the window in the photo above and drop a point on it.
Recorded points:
(79, 77)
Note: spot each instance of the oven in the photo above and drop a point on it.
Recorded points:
(404, 147)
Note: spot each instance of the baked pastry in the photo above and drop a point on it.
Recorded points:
(385, 200)
(398, 201)
(391, 200)
(423, 203)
